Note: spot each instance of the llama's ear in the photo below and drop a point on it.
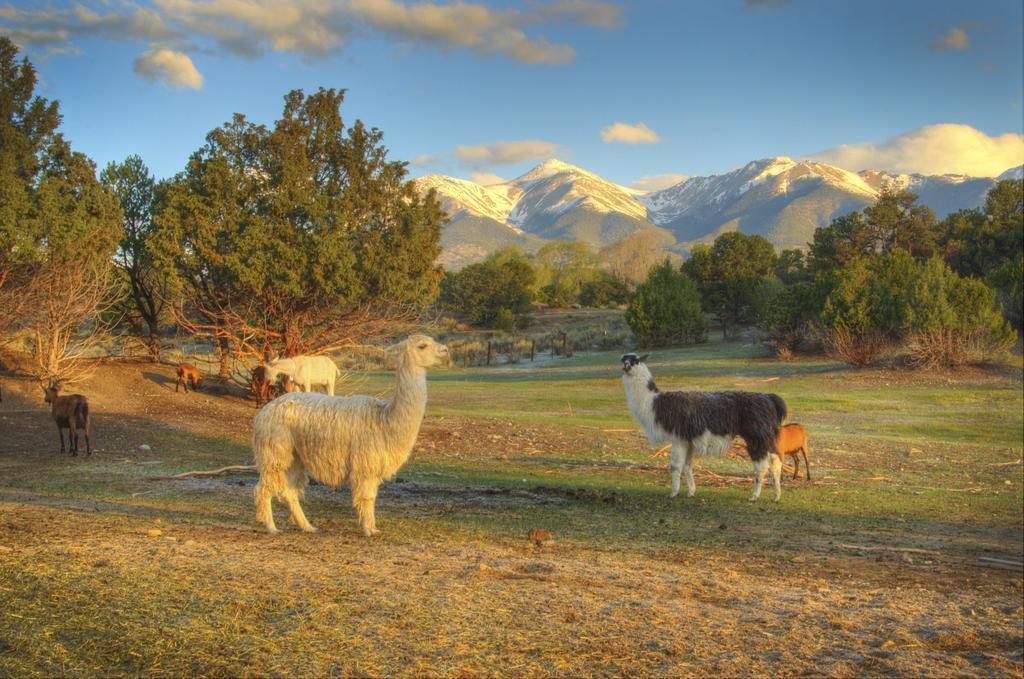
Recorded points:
(394, 349)
(643, 358)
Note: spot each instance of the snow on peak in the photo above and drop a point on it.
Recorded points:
(457, 195)
(1012, 173)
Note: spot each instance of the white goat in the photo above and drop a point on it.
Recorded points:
(305, 371)
(358, 440)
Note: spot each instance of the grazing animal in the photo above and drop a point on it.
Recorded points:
(285, 385)
(354, 440)
(704, 423)
(793, 441)
(187, 373)
(261, 385)
(71, 413)
(306, 371)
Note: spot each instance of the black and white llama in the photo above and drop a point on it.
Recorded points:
(704, 423)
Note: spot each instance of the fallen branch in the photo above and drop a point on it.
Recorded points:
(610, 431)
(661, 451)
(997, 563)
(1006, 464)
(235, 469)
(908, 550)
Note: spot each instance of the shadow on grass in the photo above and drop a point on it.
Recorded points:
(158, 378)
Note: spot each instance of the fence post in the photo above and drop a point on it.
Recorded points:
(565, 339)
(488, 352)
(533, 348)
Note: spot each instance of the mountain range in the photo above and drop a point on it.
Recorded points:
(782, 199)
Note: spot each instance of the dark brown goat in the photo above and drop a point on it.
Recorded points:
(187, 373)
(261, 387)
(71, 413)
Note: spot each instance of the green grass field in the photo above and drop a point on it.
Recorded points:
(870, 567)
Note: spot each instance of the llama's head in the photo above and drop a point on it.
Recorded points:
(418, 350)
(633, 367)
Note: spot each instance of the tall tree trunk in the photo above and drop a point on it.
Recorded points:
(153, 343)
(224, 347)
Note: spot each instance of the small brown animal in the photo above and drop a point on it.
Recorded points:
(71, 413)
(286, 385)
(260, 385)
(793, 440)
(187, 373)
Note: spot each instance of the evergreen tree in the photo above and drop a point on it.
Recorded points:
(666, 309)
(731, 275)
(300, 237)
(145, 285)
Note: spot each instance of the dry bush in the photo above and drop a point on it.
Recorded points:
(70, 303)
(858, 348)
(954, 348)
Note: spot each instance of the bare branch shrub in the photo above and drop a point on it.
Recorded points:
(858, 348)
(955, 348)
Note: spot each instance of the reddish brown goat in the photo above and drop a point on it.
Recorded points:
(187, 373)
(71, 413)
(792, 441)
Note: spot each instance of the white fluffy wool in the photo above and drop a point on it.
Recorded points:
(354, 440)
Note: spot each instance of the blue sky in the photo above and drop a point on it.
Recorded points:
(481, 89)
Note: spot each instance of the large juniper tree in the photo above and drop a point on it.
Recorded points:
(300, 237)
(59, 226)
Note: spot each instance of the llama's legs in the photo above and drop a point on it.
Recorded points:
(691, 485)
(330, 387)
(72, 437)
(676, 466)
(776, 466)
(270, 484)
(807, 465)
(364, 496)
(760, 467)
(291, 495)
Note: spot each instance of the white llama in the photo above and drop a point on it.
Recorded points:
(358, 440)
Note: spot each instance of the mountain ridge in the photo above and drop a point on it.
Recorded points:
(781, 198)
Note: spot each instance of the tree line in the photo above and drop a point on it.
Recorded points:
(892, 275)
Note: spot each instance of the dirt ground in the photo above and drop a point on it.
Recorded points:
(174, 578)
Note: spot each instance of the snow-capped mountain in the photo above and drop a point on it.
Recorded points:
(775, 197)
(783, 199)
(1012, 173)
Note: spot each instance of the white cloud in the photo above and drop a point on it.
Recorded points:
(934, 149)
(764, 5)
(474, 27)
(624, 133)
(505, 152)
(486, 178)
(955, 38)
(316, 28)
(585, 12)
(173, 68)
(657, 182)
(423, 159)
